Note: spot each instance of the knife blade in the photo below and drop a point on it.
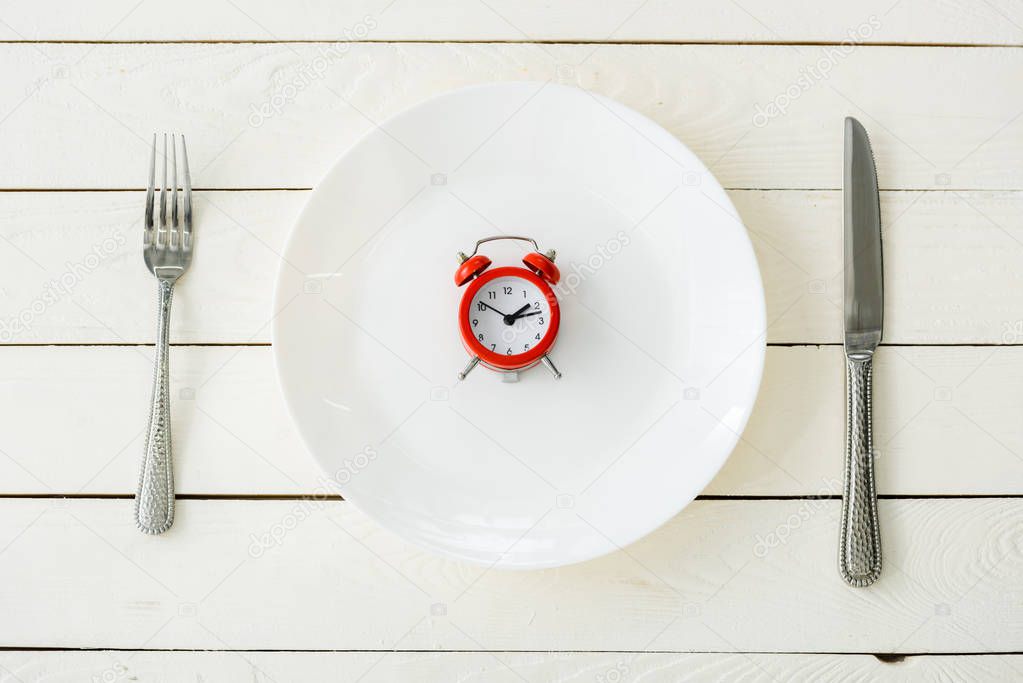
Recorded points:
(860, 543)
(864, 280)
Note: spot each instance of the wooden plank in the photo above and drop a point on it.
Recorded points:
(477, 667)
(231, 430)
(932, 405)
(76, 271)
(279, 115)
(232, 434)
(73, 273)
(951, 260)
(722, 576)
(910, 21)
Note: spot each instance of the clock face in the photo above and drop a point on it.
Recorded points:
(509, 315)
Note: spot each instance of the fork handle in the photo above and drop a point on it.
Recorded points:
(859, 558)
(154, 503)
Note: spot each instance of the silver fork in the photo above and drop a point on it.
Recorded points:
(167, 249)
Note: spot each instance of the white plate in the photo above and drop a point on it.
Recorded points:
(661, 341)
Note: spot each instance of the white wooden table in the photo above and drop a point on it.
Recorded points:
(273, 582)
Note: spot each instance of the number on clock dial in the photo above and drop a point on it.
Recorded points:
(509, 296)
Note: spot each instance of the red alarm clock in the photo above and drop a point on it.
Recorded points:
(509, 316)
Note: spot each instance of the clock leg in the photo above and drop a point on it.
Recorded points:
(469, 367)
(546, 360)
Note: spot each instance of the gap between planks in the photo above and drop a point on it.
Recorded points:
(782, 345)
(465, 41)
(886, 657)
(340, 499)
(55, 190)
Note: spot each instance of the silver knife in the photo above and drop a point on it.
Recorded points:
(859, 557)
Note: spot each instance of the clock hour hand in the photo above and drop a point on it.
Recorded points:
(517, 315)
(509, 319)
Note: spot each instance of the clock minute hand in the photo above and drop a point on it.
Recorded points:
(493, 309)
(509, 319)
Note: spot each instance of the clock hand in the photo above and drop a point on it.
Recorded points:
(509, 319)
(493, 309)
(526, 315)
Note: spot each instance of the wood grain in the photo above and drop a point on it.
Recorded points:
(73, 273)
(279, 115)
(946, 422)
(722, 576)
(909, 21)
(500, 667)
(726, 577)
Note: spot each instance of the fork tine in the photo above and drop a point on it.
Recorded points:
(147, 228)
(161, 234)
(175, 235)
(186, 234)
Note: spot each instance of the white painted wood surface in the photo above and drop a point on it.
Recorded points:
(723, 591)
(729, 575)
(976, 22)
(947, 422)
(250, 126)
(497, 667)
(953, 263)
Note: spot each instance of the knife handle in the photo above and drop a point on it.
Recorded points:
(859, 556)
